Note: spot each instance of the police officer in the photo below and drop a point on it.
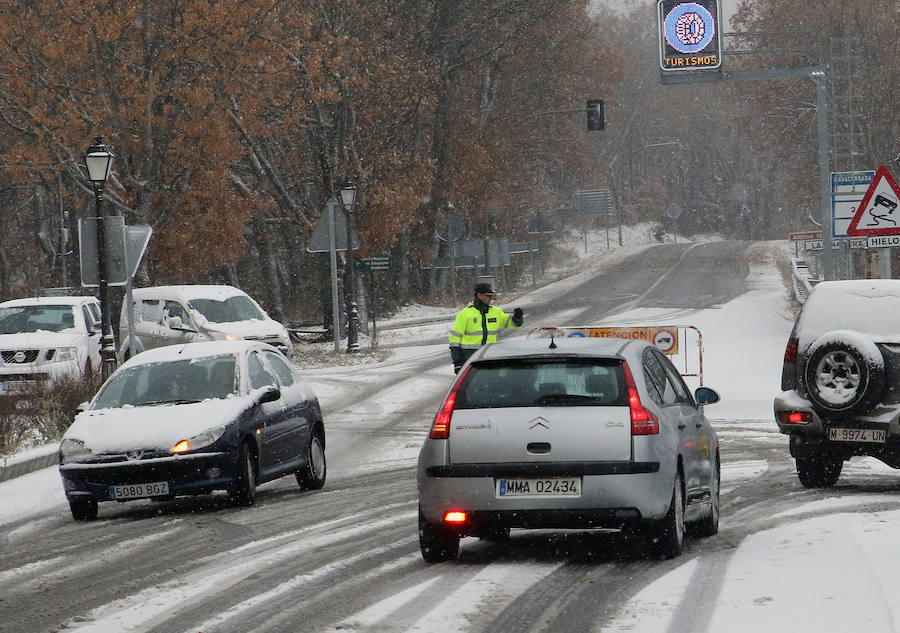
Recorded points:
(478, 324)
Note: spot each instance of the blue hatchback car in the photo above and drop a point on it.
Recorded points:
(191, 419)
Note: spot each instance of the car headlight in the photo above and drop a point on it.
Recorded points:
(284, 335)
(232, 337)
(209, 436)
(72, 450)
(66, 353)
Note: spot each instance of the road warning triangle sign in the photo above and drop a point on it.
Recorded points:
(878, 213)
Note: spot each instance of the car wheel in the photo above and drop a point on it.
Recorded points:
(844, 375)
(438, 544)
(709, 525)
(819, 471)
(244, 490)
(83, 509)
(312, 476)
(669, 537)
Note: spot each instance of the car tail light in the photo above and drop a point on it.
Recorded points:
(795, 417)
(455, 516)
(440, 428)
(790, 352)
(643, 422)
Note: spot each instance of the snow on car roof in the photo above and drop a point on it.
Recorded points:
(867, 306)
(188, 292)
(48, 301)
(577, 346)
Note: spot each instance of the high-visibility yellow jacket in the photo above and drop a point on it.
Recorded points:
(473, 328)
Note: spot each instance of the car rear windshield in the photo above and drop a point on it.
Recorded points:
(557, 382)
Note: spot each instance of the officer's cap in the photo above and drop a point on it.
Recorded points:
(484, 288)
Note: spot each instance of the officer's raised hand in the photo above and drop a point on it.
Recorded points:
(518, 317)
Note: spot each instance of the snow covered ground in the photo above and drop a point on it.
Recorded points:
(832, 572)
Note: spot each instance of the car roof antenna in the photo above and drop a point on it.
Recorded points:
(552, 342)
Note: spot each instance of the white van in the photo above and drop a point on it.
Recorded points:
(170, 315)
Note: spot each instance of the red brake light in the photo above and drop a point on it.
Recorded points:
(643, 422)
(454, 516)
(796, 417)
(790, 352)
(440, 428)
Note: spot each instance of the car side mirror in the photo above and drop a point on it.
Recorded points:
(269, 393)
(81, 408)
(705, 395)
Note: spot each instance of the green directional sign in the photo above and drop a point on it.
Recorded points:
(372, 264)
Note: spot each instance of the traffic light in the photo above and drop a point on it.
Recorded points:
(595, 114)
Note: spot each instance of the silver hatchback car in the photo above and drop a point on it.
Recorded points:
(569, 433)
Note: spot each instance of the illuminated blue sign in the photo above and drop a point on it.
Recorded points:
(690, 38)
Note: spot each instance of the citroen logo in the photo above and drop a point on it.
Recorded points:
(538, 422)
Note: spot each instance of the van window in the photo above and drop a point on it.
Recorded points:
(560, 382)
(173, 309)
(239, 308)
(150, 310)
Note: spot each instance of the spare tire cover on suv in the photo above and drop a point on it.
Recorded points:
(844, 372)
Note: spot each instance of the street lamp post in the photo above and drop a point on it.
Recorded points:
(348, 198)
(98, 161)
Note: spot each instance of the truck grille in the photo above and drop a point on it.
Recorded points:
(19, 356)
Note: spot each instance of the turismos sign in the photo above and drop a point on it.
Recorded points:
(689, 35)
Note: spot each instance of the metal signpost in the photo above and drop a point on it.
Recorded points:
(540, 225)
(330, 236)
(373, 265)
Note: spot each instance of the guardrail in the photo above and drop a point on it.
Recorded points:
(802, 279)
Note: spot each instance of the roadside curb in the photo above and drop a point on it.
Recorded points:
(36, 459)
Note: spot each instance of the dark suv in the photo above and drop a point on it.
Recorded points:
(841, 366)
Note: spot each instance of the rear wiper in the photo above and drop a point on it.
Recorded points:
(551, 398)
